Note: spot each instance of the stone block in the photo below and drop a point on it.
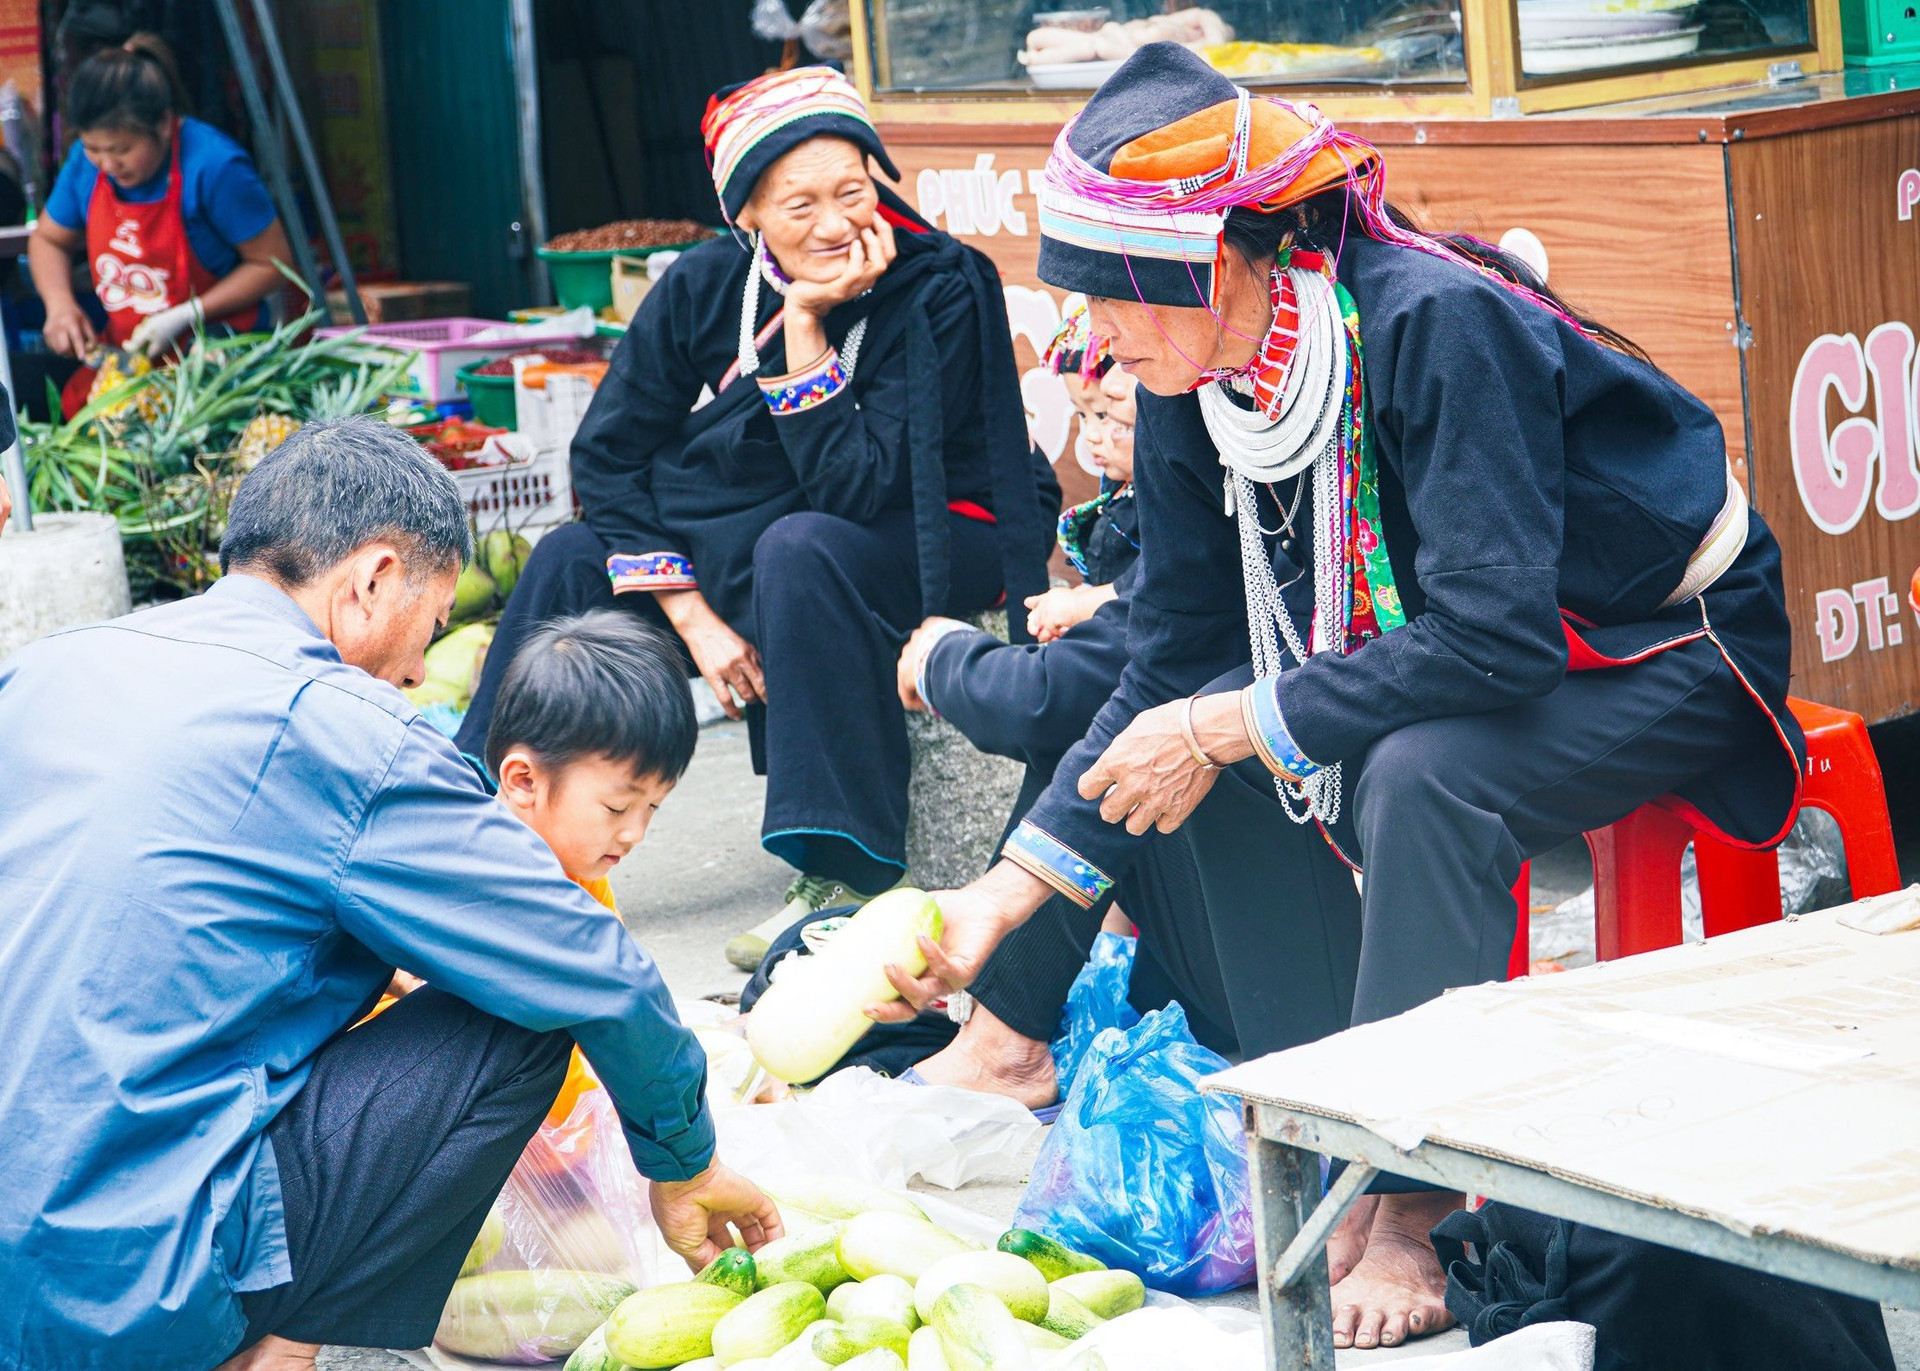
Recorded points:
(959, 797)
(69, 570)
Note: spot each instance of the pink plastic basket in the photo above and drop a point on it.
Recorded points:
(442, 349)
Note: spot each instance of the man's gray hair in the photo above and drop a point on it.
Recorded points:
(336, 486)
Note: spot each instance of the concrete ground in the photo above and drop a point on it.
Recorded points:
(701, 877)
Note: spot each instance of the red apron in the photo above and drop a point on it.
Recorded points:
(142, 264)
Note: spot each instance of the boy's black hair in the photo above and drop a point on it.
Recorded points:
(597, 685)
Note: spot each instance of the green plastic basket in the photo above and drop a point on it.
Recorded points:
(586, 278)
(492, 397)
(581, 278)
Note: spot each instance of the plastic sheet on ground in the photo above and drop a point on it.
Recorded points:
(860, 1124)
(1171, 1335)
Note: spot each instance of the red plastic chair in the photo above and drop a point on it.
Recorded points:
(1636, 862)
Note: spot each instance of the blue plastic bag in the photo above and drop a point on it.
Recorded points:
(1144, 1172)
(1097, 1001)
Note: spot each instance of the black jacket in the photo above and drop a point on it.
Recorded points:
(932, 416)
(1541, 495)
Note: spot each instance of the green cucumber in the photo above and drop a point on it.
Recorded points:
(488, 1316)
(1038, 1338)
(1109, 1294)
(924, 1352)
(894, 1245)
(833, 1198)
(592, 1355)
(762, 1324)
(486, 1243)
(1067, 1316)
(812, 1257)
(1018, 1283)
(834, 1343)
(977, 1333)
(669, 1324)
(877, 1297)
(1053, 1259)
(733, 1269)
(879, 1359)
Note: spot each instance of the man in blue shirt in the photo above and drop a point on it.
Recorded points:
(221, 829)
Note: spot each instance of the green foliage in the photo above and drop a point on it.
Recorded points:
(157, 450)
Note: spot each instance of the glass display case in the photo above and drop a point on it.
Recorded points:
(991, 59)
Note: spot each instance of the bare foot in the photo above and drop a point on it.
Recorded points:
(1349, 1241)
(273, 1354)
(1397, 1290)
(989, 1056)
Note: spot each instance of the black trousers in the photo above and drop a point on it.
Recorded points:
(1441, 814)
(389, 1159)
(834, 602)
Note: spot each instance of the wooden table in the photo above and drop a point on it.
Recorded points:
(1754, 1099)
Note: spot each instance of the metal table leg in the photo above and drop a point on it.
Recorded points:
(1298, 1318)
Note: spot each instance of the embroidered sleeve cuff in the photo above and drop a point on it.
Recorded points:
(940, 634)
(1260, 708)
(650, 571)
(802, 390)
(1039, 854)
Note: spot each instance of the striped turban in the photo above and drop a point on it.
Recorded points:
(749, 127)
(1137, 191)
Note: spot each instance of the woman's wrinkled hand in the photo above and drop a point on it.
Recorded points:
(727, 662)
(867, 260)
(1149, 778)
(694, 1215)
(973, 920)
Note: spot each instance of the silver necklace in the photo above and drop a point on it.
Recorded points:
(762, 270)
(1303, 442)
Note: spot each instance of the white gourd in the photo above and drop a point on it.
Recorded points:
(816, 1007)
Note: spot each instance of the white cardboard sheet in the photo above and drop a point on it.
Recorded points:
(1768, 1080)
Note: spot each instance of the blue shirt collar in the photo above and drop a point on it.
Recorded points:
(264, 595)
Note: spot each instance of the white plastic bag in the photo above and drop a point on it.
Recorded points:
(860, 1124)
(571, 1234)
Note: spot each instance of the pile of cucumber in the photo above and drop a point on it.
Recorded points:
(867, 1283)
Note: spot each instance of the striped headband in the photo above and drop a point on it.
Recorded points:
(749, 127)
(1150, 225)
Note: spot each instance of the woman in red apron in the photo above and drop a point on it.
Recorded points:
(176, 226)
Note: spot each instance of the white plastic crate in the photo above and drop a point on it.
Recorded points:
(442, 346)
(529, 494)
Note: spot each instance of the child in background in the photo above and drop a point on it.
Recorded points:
(1101, 537)
(592, 728)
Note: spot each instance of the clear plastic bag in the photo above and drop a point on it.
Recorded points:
(1098, 1000)
(571, 1234)
(1142, 1170)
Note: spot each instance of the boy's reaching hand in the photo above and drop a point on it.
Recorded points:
(693, 1215)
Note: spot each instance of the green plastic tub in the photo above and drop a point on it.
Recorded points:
(586, 278)
(492, 397)
(581, 278)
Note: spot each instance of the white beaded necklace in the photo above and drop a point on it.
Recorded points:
(1252, 447)
(750, 316)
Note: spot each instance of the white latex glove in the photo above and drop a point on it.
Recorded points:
(157, 332)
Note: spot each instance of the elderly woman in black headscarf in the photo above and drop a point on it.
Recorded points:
(810, 438)
(1435, 575)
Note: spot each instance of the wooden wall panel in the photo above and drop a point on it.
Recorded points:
(1635, 234)
(1830, 276)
